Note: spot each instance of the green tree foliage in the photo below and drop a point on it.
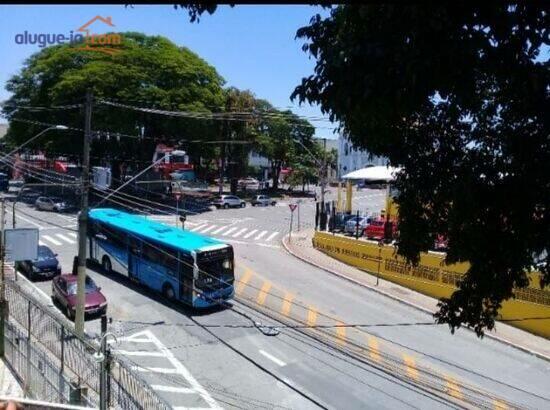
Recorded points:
(148, 71)
(281, 136)
(457, 95)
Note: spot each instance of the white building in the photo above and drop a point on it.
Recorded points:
(351, 158)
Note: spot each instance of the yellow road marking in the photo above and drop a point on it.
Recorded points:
(263, 292)
(311, 316)
(499, 405)
(411, 366)
(374, 352)
(287, 303)
(452, 388)
(341, 333)
(242, 283)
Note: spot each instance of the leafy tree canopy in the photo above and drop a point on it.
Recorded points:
(148, 71)
(457, 95)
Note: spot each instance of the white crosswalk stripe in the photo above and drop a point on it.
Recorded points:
(52, 240)
(257, 238)
(198, 227)
(209, 228)
(270, 237)
(63, 237)
(249, 234)
(41, 243)
(229, 231)
(239, 233)
(218, 230)
(74, 235)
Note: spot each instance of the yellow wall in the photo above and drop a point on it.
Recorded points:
(431, 277)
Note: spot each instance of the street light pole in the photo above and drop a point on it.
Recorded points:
(323, 184)
(83, 219)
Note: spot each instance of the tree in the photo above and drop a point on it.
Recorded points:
(281, 137)
(147, 71)
(458, 96)
(237, 127)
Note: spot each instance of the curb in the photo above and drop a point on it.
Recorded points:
(406, 302)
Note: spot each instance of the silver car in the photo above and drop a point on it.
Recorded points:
(228, 201)
(263, 200)
(357, 224)
(45, 203)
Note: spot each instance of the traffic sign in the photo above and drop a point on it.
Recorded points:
(178, 195)
(292, 207)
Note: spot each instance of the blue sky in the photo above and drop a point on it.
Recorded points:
(252, 47)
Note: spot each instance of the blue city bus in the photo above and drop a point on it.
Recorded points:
(182, 265)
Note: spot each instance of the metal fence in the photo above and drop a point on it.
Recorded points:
(56, 365)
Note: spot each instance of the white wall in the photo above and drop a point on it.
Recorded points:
(351, 159)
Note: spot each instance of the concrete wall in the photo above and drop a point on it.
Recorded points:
(431, 277)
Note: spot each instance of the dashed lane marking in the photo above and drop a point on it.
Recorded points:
(272, 358)
(229, 231)
(218, 230)
(140, 353)
(198, 227)
(52, 240)
(239, 233)
(154, 370)
(242, 283)
(249, 234)
(257, 238)
(264, 291)
(341, 333)
(209, 228)
(172, 389)
(63, 237)
(452, 388)
(311, 316)
(287, 303)
(410, 364)
(270, 237)
(374, 351)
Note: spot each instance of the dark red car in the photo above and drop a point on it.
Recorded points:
(64, 292)
(375, 230)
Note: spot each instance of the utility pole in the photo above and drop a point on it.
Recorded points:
(83, 218)
(323, 184)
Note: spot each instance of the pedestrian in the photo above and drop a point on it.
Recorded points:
(75, 265)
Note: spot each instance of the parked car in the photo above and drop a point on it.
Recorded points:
(340, 220)
(375, 230)
(28, 195)
(228, 201)
(46, 203)
(356, 225)
(249, 183)
(64, 293)
(263, 200)
(45, 266)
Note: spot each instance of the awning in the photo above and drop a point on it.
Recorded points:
(376, 173)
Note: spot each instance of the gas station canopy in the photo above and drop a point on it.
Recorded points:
(376, 173)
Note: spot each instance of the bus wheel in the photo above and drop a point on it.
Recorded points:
(106, 264)
(168, 292)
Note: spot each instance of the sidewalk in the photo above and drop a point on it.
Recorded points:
(9, 386)
(301, 247)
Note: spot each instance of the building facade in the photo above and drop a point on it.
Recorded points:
(351, 159)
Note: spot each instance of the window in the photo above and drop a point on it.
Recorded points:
(151, 253)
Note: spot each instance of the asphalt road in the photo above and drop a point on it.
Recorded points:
(220, 358)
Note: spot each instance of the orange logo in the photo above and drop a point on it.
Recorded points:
(100, 42)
